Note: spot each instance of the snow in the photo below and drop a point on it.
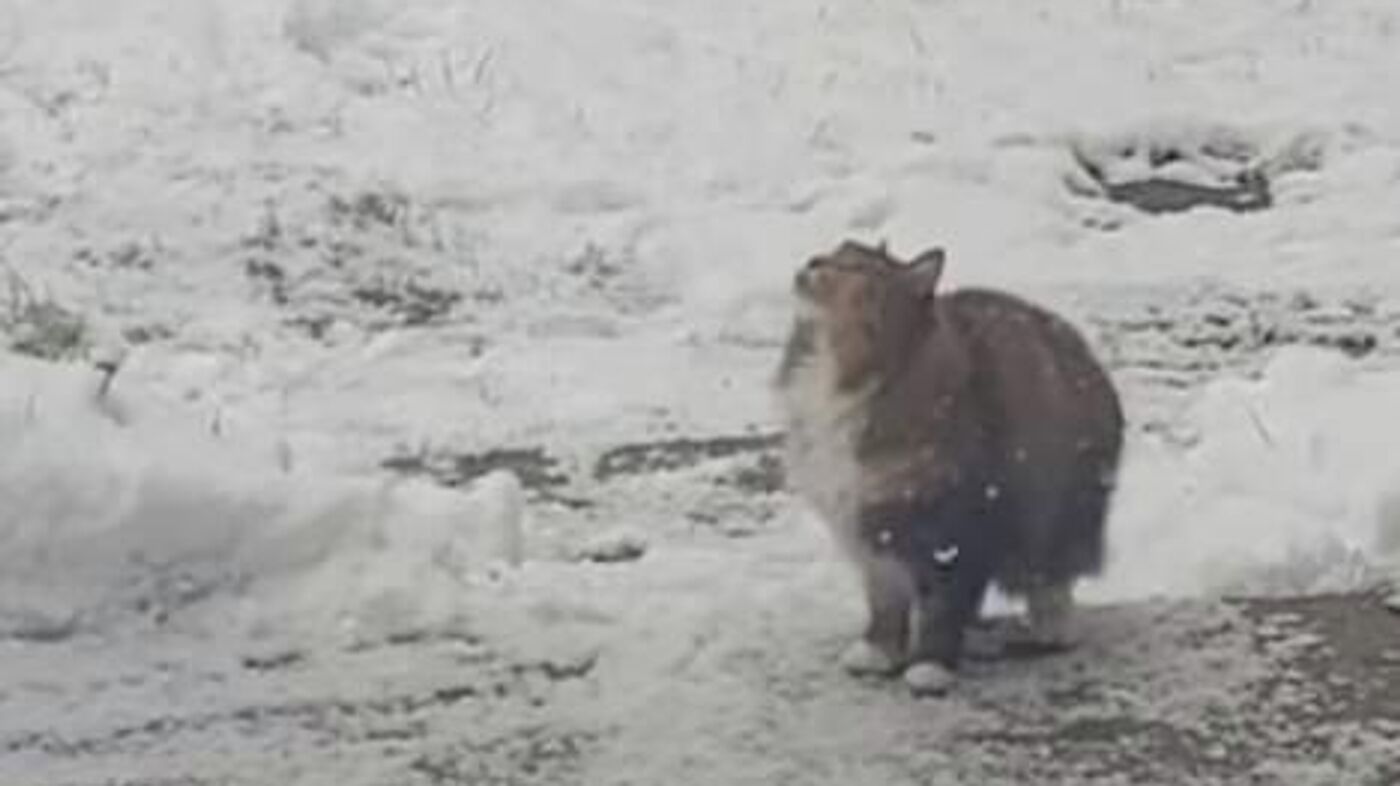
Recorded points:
(109, 519)
(312, 235)
(1284, 490)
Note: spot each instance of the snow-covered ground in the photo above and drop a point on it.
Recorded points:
(317, 236)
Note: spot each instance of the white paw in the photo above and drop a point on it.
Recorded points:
(928, 679)
(864, 658)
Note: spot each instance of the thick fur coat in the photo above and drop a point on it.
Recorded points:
(949, 441)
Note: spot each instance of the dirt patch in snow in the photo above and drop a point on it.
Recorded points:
(1174, 168)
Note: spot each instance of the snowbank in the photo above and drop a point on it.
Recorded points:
(112, 511)
(1290, 486)
(109, 510)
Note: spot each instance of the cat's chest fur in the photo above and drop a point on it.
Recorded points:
(824, 428)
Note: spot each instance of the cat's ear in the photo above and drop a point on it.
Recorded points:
(927, 270)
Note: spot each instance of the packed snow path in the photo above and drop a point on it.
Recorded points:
(1280, 692)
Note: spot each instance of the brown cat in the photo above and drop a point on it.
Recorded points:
(950, 441)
